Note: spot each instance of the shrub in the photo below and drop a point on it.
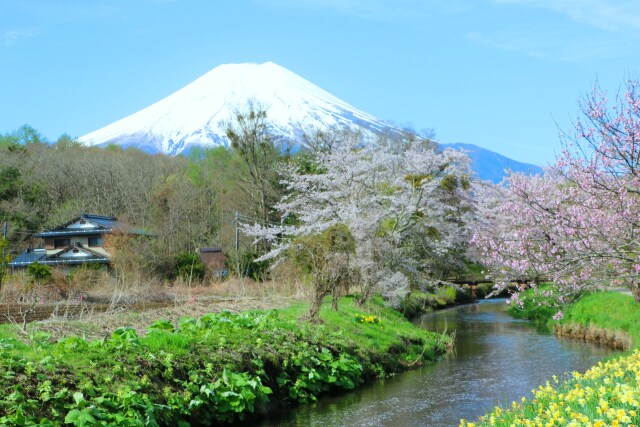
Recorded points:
(39, 273)
(248, 267)
(446, 295)
(190, 265)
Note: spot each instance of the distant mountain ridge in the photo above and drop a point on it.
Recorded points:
(490, 165)
(197, 115)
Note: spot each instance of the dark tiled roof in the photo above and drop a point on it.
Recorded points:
(102, 225)
(28, 257)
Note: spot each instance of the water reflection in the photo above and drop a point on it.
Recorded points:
(497, 360)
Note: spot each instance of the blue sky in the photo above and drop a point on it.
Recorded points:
(502, 74)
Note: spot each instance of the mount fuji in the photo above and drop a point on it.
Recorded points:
(198, 114)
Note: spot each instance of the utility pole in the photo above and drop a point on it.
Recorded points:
(4, 252)
(4, 237)
(237, 231)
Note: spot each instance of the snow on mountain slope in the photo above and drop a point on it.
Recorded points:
(197, 114)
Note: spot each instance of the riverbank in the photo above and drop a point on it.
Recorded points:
(606, 395)
(420, 302)
(605, 318)
(196, 371)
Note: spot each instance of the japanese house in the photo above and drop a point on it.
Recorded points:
(79, 241)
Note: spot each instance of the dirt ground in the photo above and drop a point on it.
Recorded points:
(97, 314)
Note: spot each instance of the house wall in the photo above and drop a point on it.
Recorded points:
(49, 244)
(213, 260)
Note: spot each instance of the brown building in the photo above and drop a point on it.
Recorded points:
(214, 261)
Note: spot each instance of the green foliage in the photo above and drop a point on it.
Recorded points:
(125, 336)
(250, 137)
(9, 182)
(218, 368)
(24, 135)
(387, 226)
(324, 259)
(311, 253)
(318, 370)
(449, 183)
(446, 294)
(4, 258)
(161, 325)
(418, 302)
(189, 265)
(39, 273)
(66, 141)
(249, 267)
(416, 180)
(9, 141)
(613, 311)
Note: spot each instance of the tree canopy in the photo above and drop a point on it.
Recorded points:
(578, 224)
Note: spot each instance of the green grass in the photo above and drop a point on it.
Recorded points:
(607, 310)
(612, 311)
(216, 368)
(392, 342)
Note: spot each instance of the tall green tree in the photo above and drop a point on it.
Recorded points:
(249, 135)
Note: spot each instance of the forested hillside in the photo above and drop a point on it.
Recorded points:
(415, 203)
(187, 202)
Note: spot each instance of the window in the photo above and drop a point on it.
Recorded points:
(61, 243)
(96, 242)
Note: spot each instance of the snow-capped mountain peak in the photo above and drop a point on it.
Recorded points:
(198, 114)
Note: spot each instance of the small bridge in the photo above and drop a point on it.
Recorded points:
(473, 280)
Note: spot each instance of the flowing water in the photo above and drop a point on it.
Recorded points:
(498, 359)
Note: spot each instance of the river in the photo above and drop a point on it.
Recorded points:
(498, 359)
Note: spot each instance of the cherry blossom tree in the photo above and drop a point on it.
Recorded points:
(405, 209)
(577, 225)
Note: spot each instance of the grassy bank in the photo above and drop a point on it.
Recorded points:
(218, 367)
(610, 318)
(607, 394)
(419, 302)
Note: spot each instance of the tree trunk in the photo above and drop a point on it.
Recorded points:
(334, 300)
(635, 290)
(314, 309)
(316, 303)
(364, 296)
